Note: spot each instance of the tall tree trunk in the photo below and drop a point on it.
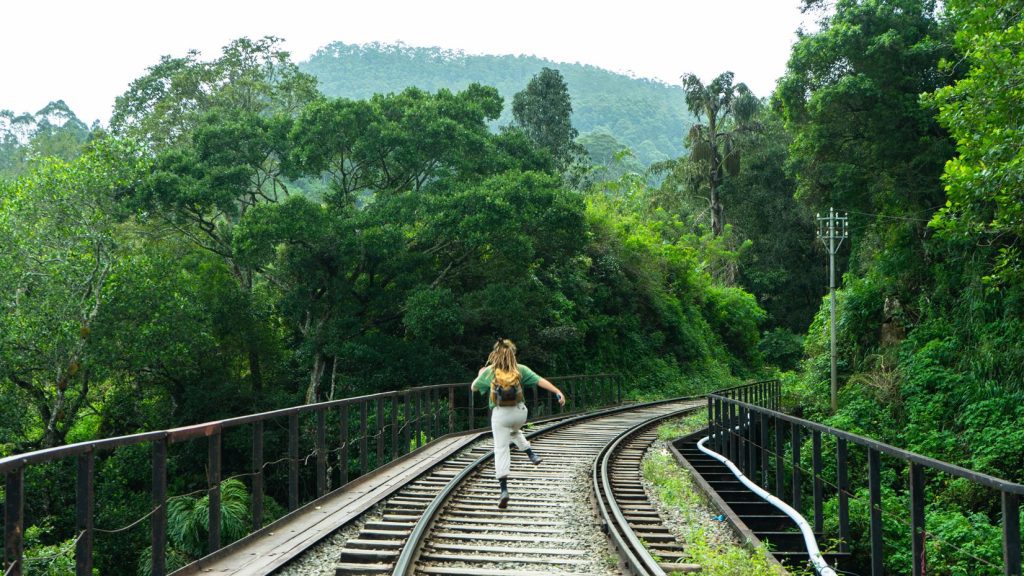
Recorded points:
(717, 213)
(315, 376)
(334, 376)
(715, 162)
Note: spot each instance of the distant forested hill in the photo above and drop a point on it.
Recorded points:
(647, 116)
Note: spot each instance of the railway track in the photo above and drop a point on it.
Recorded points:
(462, 532)
(379, 542)
(636, 529)
(542, 531)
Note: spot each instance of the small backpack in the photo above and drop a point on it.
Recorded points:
(506, 388)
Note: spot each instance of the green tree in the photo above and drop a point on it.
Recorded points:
(403, 265)
(850, 97)
(55, 131)
(393, 143)
(782, 267)
(985, 202)
(251, 77)
(610, 158)
(726, 109)
(57, 234)
(346, 276)
(218, 131)
(544, 111)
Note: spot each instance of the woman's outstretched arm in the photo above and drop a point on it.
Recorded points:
(553, 389)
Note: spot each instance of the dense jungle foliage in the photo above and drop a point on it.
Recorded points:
(237, 239)
(906, 113)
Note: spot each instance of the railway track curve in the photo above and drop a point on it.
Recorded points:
(634, 526)
(462, 532)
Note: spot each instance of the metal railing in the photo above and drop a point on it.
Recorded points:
(764, 393)
(746, 427)
(370, 431)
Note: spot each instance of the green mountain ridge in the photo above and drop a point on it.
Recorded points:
(648, 116)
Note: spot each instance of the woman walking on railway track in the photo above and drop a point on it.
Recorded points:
(504, 379)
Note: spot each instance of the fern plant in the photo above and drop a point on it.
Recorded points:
(188, 525)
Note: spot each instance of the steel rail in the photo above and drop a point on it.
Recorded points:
(638, 559)
(413, 545)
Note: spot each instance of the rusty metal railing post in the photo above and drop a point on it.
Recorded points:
(380, 433)
(711, 418)
(396, 448)
(158, 523)
(451, 409)
(741, 440)
(85, 501)
(1011, 534)
(14, 522)
(875, 491)
(321, 453)
(432, 420)
(796, 441)
(293, 461)
(843, 488)
(418, 430)
(816, 465)
(343, 440)
(257, 475)
(720, 425)
(363, 414)
(407, 428)
(731, 430)
(780, 463)
(764, 451)
(214, 490)
(917, 528)
(753, 430)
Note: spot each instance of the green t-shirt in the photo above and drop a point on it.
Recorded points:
(482, 384)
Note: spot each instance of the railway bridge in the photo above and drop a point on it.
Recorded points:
(407, 478)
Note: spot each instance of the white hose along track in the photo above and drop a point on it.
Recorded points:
(808, 533)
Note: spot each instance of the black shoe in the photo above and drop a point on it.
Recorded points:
(533, 456)
(503, 499)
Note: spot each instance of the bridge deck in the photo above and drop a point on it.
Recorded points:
(279, 542)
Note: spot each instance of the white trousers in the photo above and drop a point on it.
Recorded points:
(506, 422)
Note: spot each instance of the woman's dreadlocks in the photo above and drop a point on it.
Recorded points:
(503, 361)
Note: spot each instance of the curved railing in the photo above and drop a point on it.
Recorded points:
(370, 431)
(747, 428)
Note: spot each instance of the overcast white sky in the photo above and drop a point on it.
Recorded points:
(87, 52)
